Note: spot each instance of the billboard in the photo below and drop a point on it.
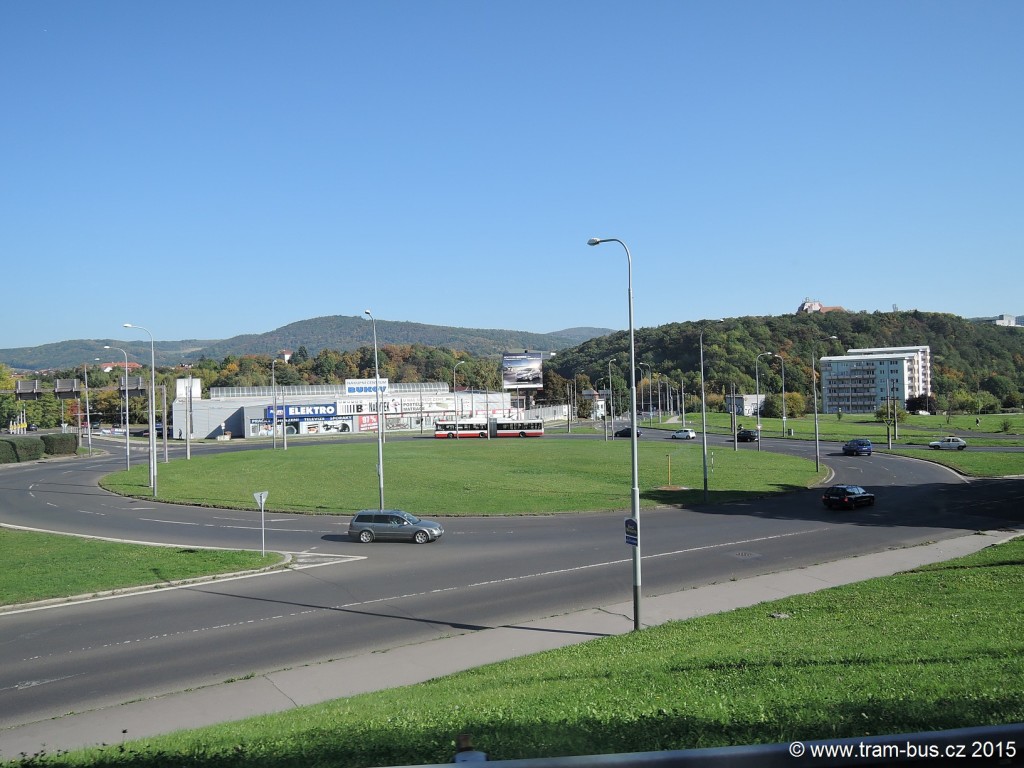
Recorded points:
(521, 370)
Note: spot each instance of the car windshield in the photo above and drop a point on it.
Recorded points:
(411, 518)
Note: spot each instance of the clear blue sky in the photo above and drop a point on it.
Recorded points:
(258, 163)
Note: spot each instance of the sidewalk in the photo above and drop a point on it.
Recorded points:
(284, 690)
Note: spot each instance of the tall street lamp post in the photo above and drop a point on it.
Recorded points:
(380, 414)
(814, 392)
(703, 411)
(273, 387)
(650, 375)
(757, 395)
(783, 393)
(127, 446)
(455, 398)
(88, 413)
(635, 490)
(152, 405)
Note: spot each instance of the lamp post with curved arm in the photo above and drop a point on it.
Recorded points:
(455, 398)
(635, 490)
(152, 404)
(650, 374)
(814, 392)
(380, 414)
(127, 446)
(757, 395)
(703, 409)
(783, 393)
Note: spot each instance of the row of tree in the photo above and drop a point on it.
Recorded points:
(977, 368)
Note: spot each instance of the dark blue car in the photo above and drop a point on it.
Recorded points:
(859, 446)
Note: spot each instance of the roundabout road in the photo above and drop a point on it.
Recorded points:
(342, 599)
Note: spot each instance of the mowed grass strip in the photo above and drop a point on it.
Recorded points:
(41, 566)
(972, 463)
(936, 648)
(469, 477)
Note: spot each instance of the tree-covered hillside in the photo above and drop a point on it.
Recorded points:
(967, 357)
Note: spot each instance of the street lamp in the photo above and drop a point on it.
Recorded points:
(380, 413)
(273, 387)
(757, 395)
(650, 395)
(783, 393)
(455, 398)
(127, 447)
(152, 404)
(88, 413)
(814, 392)
(703, 410)
(635, 490)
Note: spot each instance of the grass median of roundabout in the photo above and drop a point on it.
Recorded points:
(935, 648)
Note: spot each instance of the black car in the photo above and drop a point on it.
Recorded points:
(847, 497)
(859, 446)
(746, 436)
(624, 432)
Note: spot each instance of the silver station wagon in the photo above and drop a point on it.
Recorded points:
(392, 525)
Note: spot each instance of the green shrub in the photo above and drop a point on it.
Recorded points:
(7, 454)
(26, 448)
(57, 444)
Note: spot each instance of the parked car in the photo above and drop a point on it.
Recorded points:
(948, 444)
(682, 434)
(746, 436)
(392, 524)
(624, 432)
(859, 446)
(33, 428)
(847, 497)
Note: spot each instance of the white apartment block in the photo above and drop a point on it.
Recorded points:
(861, 380)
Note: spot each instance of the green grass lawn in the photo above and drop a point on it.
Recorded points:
(470, 477)
(974, 464)
(936, 648)
(40, 566)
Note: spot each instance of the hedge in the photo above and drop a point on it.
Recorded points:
(14, 449)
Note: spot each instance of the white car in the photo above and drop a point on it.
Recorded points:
(948, 444)
(683, 434)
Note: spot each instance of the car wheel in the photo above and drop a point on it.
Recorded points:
(522, 434)
(960, 447)
(451, 435)
(871, 503)
(366, 536)
(421, 537)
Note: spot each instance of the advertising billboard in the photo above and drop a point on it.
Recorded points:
(521, 370)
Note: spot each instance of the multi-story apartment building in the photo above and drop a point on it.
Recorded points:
(863, 379)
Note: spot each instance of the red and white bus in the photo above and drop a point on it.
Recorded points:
(499, 427)
(503, 427)
(461, 428)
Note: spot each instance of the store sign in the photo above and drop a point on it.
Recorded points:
(365, 386)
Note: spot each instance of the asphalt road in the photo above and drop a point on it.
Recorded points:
(344, 598)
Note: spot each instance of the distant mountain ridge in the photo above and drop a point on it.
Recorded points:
(338, 332)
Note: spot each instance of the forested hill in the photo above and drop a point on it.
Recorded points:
(966, 356)
(336, 332)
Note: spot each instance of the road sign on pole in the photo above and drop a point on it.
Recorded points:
(261, 499)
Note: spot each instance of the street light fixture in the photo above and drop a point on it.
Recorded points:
(650, 395)
(273, 387)
(88, 412)
(380, 413)
(757, 395)
(455, 398)
(703, 409)
(814, 392)
(783, 393)
(127, 446)
(152, 404)
(635, 490)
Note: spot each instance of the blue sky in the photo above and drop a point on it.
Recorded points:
(256, 163)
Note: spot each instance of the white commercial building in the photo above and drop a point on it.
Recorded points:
(327, 409)
(864, 379)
